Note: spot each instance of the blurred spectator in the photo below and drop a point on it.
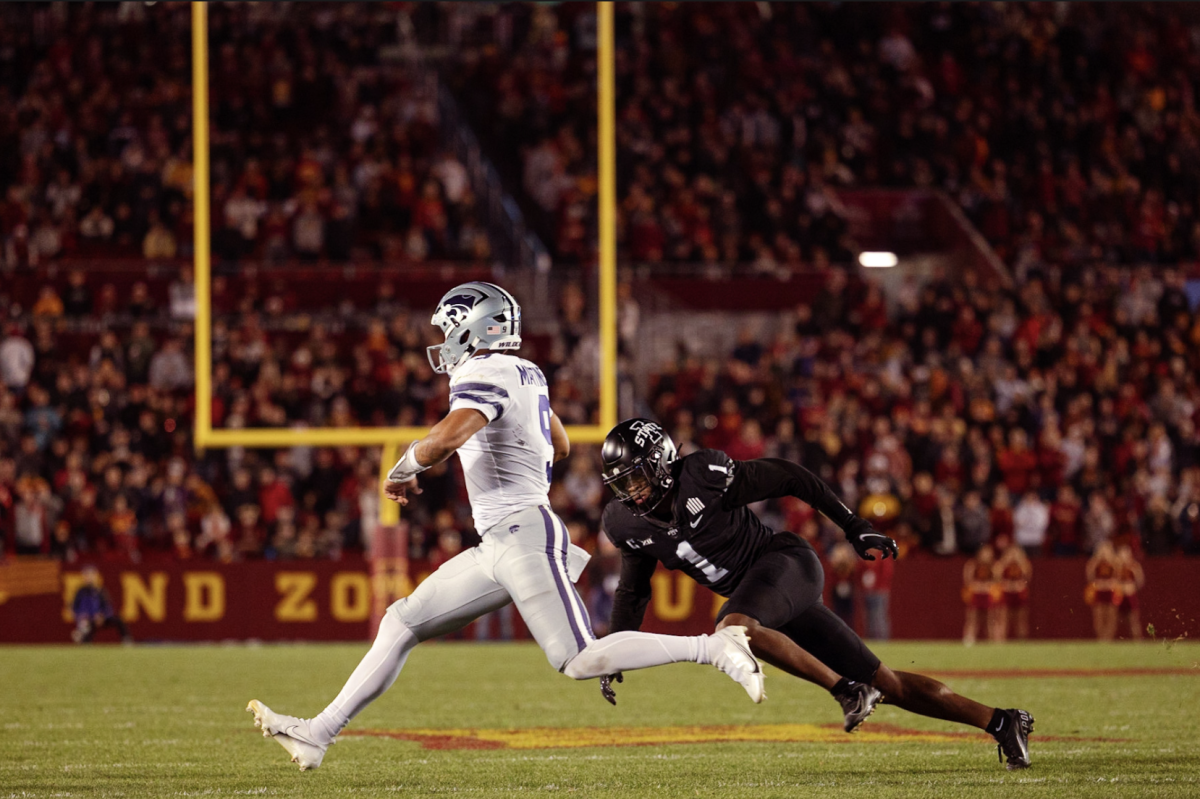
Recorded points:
(1159, 530)
(248, 534)
(122, 529)
(875, 578)
(1099, 523)
(93, 610)
(16, 359)
(215, 539)
(604, 573)
(48, 304)
(1066, 522)
(1031, 518)
(844, 563)
(973, 523)
(33, 517)
(169, 368)
(582, 484)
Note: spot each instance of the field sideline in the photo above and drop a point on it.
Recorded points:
(110, 721)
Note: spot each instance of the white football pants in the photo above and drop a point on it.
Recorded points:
(526, 559)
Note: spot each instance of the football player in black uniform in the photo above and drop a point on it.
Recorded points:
(690, 514)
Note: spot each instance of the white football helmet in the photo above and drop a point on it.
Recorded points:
(474, 316)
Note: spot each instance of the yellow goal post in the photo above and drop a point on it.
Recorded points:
(391, 439)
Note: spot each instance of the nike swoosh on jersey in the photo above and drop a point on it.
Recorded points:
(695, 522)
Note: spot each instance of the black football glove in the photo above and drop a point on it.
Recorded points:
(606, 689)
(863, 537)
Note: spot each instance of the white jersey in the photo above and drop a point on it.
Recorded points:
(507, 463)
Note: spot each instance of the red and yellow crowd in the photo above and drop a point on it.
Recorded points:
(95, 119)
(1069, 133)
(1057, 418)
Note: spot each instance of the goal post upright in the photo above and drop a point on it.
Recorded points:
(607, 167)
(202, 240)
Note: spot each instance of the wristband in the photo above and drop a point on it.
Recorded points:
(407, 467)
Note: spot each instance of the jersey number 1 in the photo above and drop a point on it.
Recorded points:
(711, 572)
(544, 422)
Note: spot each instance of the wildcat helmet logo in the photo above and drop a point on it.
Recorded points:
(457, 307)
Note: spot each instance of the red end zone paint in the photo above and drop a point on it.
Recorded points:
(580, 737)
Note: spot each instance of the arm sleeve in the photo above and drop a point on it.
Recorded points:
(481, 391)
(768, 478)
(633, 591)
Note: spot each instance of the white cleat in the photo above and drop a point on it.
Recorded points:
(736, 660)
(291, 733)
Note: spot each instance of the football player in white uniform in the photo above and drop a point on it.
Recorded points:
(501, 424)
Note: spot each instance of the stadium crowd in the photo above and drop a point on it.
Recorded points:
(95, 119)
(96, 404)
(1059, 415)
(1068, 132)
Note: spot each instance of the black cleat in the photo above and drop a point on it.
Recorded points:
(857, 703)
(1012, 739)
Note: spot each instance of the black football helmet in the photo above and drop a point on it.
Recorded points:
(637, 457)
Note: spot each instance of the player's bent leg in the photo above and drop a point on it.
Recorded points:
(728, 649)
(857, 699)
(785, 581)
(782, 652)
(926, 696)
(533, 566)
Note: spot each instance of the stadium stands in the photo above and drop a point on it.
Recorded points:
(1063, 412)
(1067, 132)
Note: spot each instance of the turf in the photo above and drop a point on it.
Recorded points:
(170, 721)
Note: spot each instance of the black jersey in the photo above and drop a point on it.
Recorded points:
(709, 538)
(712, 535)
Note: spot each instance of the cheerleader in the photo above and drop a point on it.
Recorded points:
(1101, 589)
(1130, 579)
(980, 593)
(1014, 570)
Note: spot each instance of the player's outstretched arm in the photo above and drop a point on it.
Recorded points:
(769, 478)
(443, 440)
(633, 592)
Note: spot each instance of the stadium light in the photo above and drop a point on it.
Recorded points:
(878, 260)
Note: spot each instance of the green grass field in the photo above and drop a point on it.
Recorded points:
(170, 721)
